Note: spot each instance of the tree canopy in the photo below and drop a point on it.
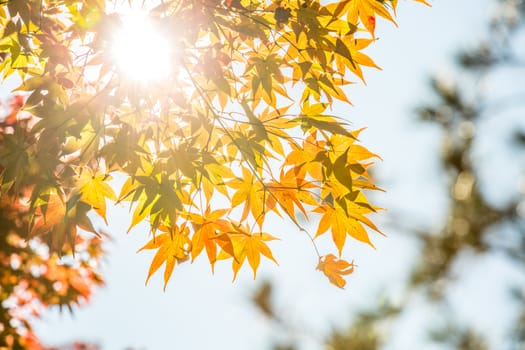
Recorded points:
(212, 116)
(237, 128)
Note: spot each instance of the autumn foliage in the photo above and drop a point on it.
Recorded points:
(239, 128)
(31, 277)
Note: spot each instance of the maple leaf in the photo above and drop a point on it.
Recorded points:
(282, 15)
(208, 228)
(366, 11)
(248, 246)
(94, 190)
(250, 192)
(341, 224)
(334, 269)
(290, 191)
(57, 220)
(304, 158)
(355, 58)
(174, 246)
(48, 215)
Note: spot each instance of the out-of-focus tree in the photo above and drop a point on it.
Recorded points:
(488, 85)
(31, 278)
(487, 88)
(462, 107)
(75, 346)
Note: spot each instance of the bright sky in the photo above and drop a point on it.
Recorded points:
(201, 311)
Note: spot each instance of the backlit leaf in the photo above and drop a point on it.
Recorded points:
(335, 269)
(173, 246)
(94, 190)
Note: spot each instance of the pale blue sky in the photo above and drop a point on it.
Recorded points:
(204, 311)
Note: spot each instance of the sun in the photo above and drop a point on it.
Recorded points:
(141, 51)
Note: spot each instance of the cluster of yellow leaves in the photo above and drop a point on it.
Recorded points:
(241, 130)
(211, 232)
(317, 176)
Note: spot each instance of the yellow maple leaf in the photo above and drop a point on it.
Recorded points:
(94, 190)
(174, 246)
(250, 192)
(366, 11)
(341, 225)
(303, 158)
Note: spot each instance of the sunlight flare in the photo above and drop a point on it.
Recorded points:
(141, 51)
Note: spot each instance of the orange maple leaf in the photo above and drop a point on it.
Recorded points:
(209, 228)
(57, 220)
(16, 105)
(334, 269)
(248, 246)
(289, 192)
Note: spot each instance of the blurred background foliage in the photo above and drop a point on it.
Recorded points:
(32, 279)
(489, 87)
